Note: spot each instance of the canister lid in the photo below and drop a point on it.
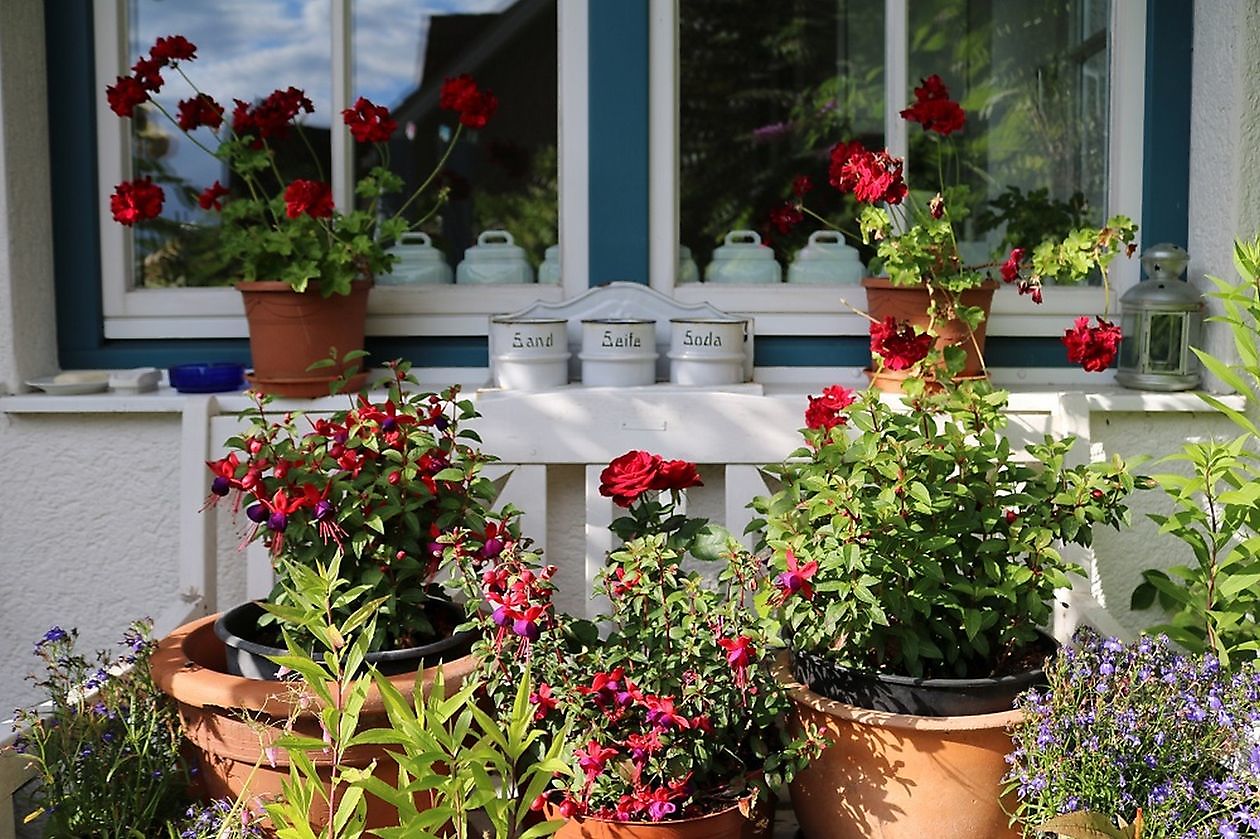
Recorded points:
(495, 246)
(743, 244)
(827, 245)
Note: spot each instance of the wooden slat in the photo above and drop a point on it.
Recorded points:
(743, 483)
(526, 489)
(599, 540)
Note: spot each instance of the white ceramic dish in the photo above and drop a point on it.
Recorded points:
(50, 385)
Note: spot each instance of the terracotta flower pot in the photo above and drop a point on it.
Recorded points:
(910, 303)
(730, 823)
(289, 331)
(900, 776)
(228, 720)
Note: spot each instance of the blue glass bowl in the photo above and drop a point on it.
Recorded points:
(217, 377)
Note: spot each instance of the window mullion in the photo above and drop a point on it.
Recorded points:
(342, 79)
(896, 75)
(663, 141)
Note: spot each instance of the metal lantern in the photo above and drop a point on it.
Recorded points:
(1162, 316)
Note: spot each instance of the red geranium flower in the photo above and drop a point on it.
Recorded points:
(898, 344)
(786, 216)
(137, 200)
(173, 48)
(629, 476)
(124, 95)
(270, 117)
(877, 177)
(801, 185)
(148, 73)
(934, 109)
(209, 197)
(676, 475)
(826, 411)
(1010, 268)
(1092, 347)
(198, 111)
(475, 106)
(455, 90)
(841, 154)
(369, 123)
(311, 197)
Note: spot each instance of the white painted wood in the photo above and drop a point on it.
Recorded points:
(1127, 128)
(113, 152)
(896, 75)
(526, 489)
(599, 540)
(15, 771)
(259, 574)
(743, 483)
(198, 562)
(573, 18)
(663, 133)
(342, 150)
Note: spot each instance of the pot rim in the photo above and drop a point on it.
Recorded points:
(802, 695)
(552, 811)
(268, 286)
(887, 283)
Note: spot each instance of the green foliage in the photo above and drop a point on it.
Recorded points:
(1213, 604)
(937, 545)
(1083, 251)
(1030, 218)
(106, 748)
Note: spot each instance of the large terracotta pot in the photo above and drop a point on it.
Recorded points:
(910, 303)
(289, 331)
(900, 776)
(229, 720)
(730, 823)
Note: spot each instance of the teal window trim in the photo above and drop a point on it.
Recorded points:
(1166, 147)
(618, 189)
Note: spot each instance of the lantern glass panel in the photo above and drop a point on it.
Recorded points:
(1131, 346)
(1164, 345)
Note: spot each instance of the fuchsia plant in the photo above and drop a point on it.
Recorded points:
(675, 714)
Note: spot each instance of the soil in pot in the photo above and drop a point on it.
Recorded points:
(229, 720)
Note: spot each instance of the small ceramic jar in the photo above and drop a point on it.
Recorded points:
(496, 259)
(417, 263)
(826, 260)
(529, 353)
(707, 351)
(618, 352)
(687, 270)
(743, 259)
(549, 271)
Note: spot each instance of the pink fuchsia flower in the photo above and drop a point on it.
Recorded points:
(592, 758)
(898, 344)
(826, 411)
(543, 700)
(740, 654)
(642, 746)
(611, 689)
(796, 579)
(661, 804)
(1092, 347)
(662, 715)
(137, 200)
(1010, 268)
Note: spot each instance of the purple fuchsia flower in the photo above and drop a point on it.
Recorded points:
(592, 757)
(257, 513)
(796, 579)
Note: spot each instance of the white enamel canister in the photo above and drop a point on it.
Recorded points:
(495, 259)
(530, 353)
(417, 263)
(743, 259)
(707, 351)
(826, 260)
(549, 270)
(618, 352)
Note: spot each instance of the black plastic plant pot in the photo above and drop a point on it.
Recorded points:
(906, 695)
(238, 629)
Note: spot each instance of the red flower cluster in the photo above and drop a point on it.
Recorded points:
(474, 106)
(369, 123)
(933, 108)
(1092, 347)
(314, 198)
(270, 118)
(827, 411)
(898, 344)
(209, 197)
(1010, 270)
(520, 601)
(636, 472)
(129, 91)
(198, 111)
(872, 177)
(786, 216)
(137, 200)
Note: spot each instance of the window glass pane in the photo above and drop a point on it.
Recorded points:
(766, 89)
(502, 176)
(1033, 79)
(245, 50)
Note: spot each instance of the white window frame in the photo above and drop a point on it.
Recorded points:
(131, 312)
(799, 310)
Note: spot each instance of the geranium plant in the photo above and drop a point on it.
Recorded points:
(391, 487)
(276, 225)
(918, 542)
(673, 714)
(917, 243)
(1135, 733)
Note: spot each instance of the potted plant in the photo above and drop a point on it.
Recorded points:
(928, 314)
(1132, 740)
(386, 491)
(915, 558)
(305, 265)
(671, 723)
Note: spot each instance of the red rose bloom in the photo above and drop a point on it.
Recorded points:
(786, 216)
(311, 197)
(369, 123)
(676, 475)
(198, 111)
(173, 48)
(148, 73)
(1010, 268)
(137, 200)
(629, 476)
(826, 411)
(877, 177)
(1092, 347)
(933, 108)
(124, 95)
(209, 197)
(898, 344)
(841, 154)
